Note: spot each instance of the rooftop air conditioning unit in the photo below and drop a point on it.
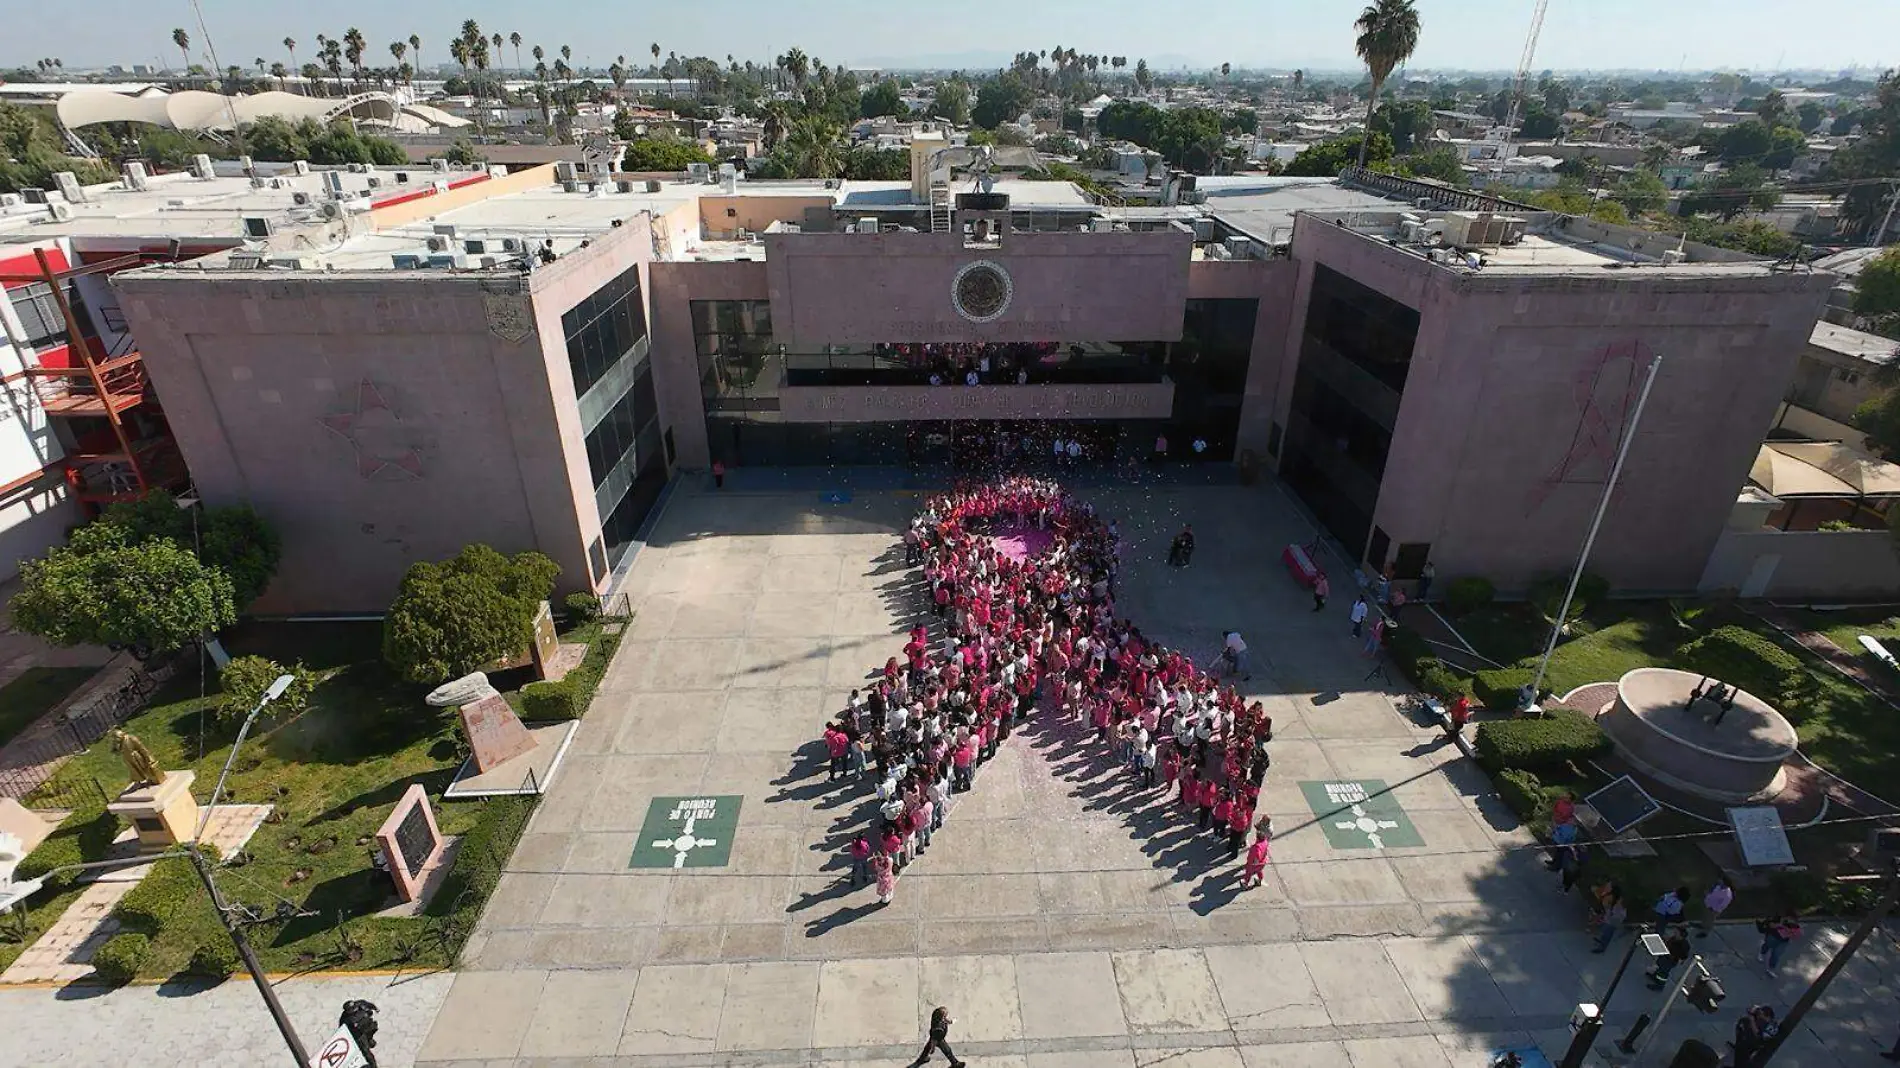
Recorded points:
(402, 177)
(490, 261)
(295, 263)
(134, 176)
(375, 182)
(570, 187)
(300, 198)
(440, 166)
(565, 171)
(699, 172)
(1240, 248)
(70, 188)
(475, 246)
(60, 211)
(330, 209)
(442, 259)
(406, 261)
(653, 185)
(440, 185)
(333, 183)
(33, 195)
(277, 183)
(438, 243)
(1672, 256)
(257, 182)
(867, 226)
(1203, 231)
(9, 200)
(623, 185)
(357, 168)
(245, 261)
(257, 226)
(201, 167)
(1102, 226)
(1410, 231)
(445, 229)
(300, 167)
(511, 244)
(1423, 203)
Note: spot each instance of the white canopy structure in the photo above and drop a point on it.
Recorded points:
(199, 111)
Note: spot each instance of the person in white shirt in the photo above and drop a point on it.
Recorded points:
(1234, 652)
(1359, 610)
(1075, 450)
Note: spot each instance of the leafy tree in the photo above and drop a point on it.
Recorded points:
(1144, 79)
(1539, 125)
(30, 153)
(1879, 419)
(953, 101)
(1238, 121)
(1442, 163)
(463, 154)
(1809, 116)
(108, 589)
(1733, 191)
(662, 154)
(1747, 235)
(1327, 158)
(246, 678)
(1877, 292)
(877, 165)
(1876, 155)
(1406, 123)
(1640, 192)
(1388, 35)
(275, 139)
(234, 539)
(884, 98)
(1001, 100)
(450, 618)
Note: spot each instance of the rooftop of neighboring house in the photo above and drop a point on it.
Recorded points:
(1856, 344)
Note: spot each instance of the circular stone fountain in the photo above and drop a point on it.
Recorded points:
(1677, 739)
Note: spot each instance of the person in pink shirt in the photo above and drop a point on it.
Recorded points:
(1257, 854)
(860, 860)
(886, 874)
(837, 744)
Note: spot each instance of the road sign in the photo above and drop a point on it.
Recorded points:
(687, 832)
(1360, 814)
(339, 1052)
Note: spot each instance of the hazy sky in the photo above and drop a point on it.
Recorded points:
(1758, 35)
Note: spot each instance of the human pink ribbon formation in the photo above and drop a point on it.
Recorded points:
(1021, 579)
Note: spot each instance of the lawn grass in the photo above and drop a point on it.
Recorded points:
(334, 774)
(34, 693)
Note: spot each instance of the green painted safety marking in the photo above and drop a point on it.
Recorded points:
(1360, 814)
(687, 832)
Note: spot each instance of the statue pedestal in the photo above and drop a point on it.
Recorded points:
(164, 814)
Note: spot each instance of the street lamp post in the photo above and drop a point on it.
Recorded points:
(249, 956)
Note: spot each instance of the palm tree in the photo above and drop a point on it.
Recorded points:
(332, 55)
(618, 72)
(655, 49)
(398, 49)
(1388, 35)
(1299, 79)
(182, 41)
(812, 147)
(415, 49)
(798, 65)
(279, 72)
(515, 39)
(1226, 69)
(353, 48)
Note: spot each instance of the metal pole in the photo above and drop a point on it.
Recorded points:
(1841, 957)
(284, 1026)
(1596, 522)
(1893, 202)
(276, 690)
(1676, 983)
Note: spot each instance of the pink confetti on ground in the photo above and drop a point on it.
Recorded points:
(1021, 543)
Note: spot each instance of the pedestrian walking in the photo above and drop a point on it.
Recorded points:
(1714, 903)
(1320, 589)
(938, 1038)
(1256, 869)
(1754, 1031)
(1610, 921)
(1359, 610)
(1775, 936)
(1669, 906)
(719, 475)
(1147, 761)
(1676, 939)
(1425, 576)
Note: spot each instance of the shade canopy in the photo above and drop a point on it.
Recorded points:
(1822, 469)
(199, 111)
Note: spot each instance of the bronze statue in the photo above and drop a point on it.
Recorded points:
(138, 759)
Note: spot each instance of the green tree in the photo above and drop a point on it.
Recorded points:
(877, 165)
(451, 618)
(1539, 125)
(1406, 123)
(1640, 192)
(658, 154)
(1001, 99)
(30, 153)
(1809, 116)
(1733, 191)
(463, 153)
(1877, 290)
(1875, 155)
(884, 98)
(1327, 158)
(234, 539)
(245, 679)
(1388, 35)
(1442, 163)
(109, 590)
(1879, 419)
(953, 101)
(275, 139)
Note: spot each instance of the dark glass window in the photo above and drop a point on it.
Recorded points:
(603, 328)
(1363, 325)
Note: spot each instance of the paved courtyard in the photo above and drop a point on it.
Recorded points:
(1064, 915)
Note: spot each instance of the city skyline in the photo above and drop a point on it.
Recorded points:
(1482, 35)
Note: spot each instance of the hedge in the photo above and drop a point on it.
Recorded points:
(1440, 679)
(121, 957)
(1740, 657)
(1497, 688)
(87, 839)
(214, 960)
(551, 700)
(1466, 595)
(1563, 737)
(483, 852)
(1522, 791)
(581, 607)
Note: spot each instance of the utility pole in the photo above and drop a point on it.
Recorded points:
(1596, 522)
(1841, 957)
(264, 988)
(1893, 202)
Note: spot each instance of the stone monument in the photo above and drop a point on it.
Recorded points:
(157, 803)
(410, 841)
(1699, 735)
(495, 734)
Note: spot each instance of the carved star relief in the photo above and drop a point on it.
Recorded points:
(377, 435)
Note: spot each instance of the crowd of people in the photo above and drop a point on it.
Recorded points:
(1021, 633)
(970, 362)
